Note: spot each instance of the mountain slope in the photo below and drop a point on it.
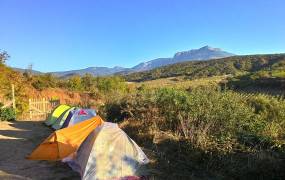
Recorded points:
(152, 64)
(27, 70)
(204, 53)
(230, 65)
(95, 71)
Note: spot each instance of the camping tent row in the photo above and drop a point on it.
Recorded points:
(64, 116)
(93, 148)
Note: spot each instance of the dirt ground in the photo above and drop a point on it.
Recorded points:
(17, 140)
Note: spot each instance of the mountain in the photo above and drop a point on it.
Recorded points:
(26, 70)
(204, 53)
(95, 71)
(152, 64)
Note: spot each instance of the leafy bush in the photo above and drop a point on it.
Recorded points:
(41, 82)
(272, 112)
(7, 114)
(75, 83)
(225, 134)
(207, 117)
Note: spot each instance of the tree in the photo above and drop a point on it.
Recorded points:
(29, 71)
(74, 83)
(4, 56)
(88, 82)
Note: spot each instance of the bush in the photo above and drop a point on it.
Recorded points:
(41, 82)
(272, 112)
(207, 117)
(226, 134)
(7, 114)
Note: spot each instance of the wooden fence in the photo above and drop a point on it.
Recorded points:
(39, 109)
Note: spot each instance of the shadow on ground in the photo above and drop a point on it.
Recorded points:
(17, 140)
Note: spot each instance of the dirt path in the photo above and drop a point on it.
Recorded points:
(17, 140)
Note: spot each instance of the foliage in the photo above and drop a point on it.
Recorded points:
(22, 86)
(111, 86)
(270, 81)
(223, 133)
(205, 116)
(74, 83)
(4, 56)
(182, 82)
(7, 114)
(41, 82)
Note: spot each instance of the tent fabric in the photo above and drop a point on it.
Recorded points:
(108, 153)
(59, 122)
(64, 142)
(77, 116)
(56, 114)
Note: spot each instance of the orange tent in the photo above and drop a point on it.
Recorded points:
(66, 141)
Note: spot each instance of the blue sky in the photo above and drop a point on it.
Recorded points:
(59, 35)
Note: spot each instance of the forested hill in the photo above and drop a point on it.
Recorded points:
(231, 65)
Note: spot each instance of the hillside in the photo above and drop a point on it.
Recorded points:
(95, 71)
(231, 65)
(36, 86)
(27, 70)
(9, 76)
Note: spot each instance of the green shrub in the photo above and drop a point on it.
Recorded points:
(7, 114)
(41, 82)
(226, 134)
(272, 112)
(207, 117)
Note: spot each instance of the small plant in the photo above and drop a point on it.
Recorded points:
(7, 114)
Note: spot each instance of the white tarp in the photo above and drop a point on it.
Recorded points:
(108, 153)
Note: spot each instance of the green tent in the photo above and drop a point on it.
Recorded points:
(56, 113)
(59, 122)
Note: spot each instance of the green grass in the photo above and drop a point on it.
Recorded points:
(181, 82)
(280, 74)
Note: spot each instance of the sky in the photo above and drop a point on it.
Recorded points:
(59, 35)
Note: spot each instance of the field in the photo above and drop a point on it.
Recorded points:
(181, 82)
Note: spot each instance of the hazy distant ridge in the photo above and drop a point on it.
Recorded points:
(204, 53)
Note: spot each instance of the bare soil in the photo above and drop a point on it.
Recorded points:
(17, 140)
